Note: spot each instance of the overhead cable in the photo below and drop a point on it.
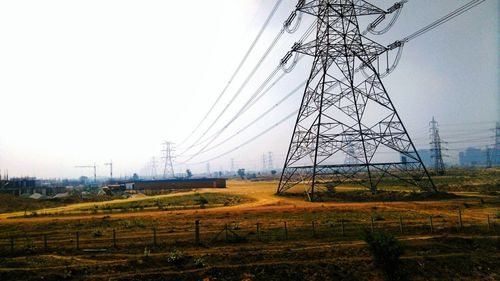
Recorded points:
(237, 70)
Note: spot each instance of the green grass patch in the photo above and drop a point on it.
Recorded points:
(183, 202)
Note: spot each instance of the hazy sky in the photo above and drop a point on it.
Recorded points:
(83, 82)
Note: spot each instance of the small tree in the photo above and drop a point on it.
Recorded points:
(189, 174)
(273, 172)
(241, 173)
(201, 201)
(386, 251)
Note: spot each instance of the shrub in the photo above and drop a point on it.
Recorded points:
(97, 232)
(199, 262)
(378, 217)
(386, 251)
(201, 201)
(331, 187)
(147, 252)
(176, 257)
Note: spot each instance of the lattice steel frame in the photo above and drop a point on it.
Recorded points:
(331, 121)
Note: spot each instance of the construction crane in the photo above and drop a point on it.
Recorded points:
(95, 170)
(110, 164)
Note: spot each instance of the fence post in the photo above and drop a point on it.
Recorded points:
(431, 225)
(154, 236)
(343, 228)
(489, 223)
(401, 225)
(258, 230)
(197, 232)
(286, 231)
(78, 240)
(12, 244)
(460, 225)
(313, 224)
(372, 224)
(226, 232)
(45, 244)
(114, 238)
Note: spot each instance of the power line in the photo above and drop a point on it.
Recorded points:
(250, 140)
(237, 70)
(242, 86)
(255, 97)
(442, 20)
(251, 101)
(258, 118)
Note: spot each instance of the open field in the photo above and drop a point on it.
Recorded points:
(248, 233)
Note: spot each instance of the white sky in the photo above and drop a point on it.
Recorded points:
(83, 82)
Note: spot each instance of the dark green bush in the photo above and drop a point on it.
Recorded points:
(386, 251)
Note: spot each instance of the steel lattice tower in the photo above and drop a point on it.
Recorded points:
(497, 145)
(436, 149)
(168, 167)
(345, 113)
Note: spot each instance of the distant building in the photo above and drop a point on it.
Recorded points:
(27, 186)
(479, 157)
(425, 155)
(180, 184)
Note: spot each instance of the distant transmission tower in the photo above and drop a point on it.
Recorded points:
(436, 149)
(152, 167)
(208, 169)
(270, 160)
(344, 109)
(168, 167)
(232, 165)
(497, 145)
(264, 164)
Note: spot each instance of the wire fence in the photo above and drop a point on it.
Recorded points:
(212, 233)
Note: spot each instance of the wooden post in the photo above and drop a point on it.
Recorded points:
(373, 224)
(343, 228)
(197, 232)
(12, 244)
(154, 236)
(258, 231)
(313, 228)
(489, 223)
(286, 231)
(460, 225)
(226, 232)
(431, 225)
(78, 240)
(114, 238)
(401, 225)
(45, 244)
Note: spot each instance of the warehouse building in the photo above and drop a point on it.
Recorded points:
(179, 184)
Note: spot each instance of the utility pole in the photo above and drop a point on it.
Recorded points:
(345, 98)
(110, 164)
(168, 167)
(436, 149)
(89, 166)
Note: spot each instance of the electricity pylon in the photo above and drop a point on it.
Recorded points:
(343, 108)
(436, 149)
(168, 167)
(497, 145)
